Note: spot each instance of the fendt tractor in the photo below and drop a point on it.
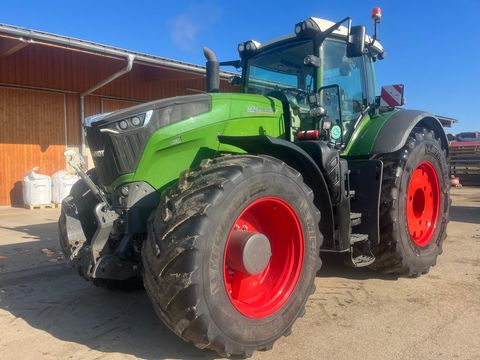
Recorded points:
(222, 203)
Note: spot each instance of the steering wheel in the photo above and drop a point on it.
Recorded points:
(295, 97)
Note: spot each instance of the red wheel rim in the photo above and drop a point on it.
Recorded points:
(261, 295)
(423, 204)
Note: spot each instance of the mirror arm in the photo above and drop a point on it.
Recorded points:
(237, 64)
(335, 26)
(349, 26)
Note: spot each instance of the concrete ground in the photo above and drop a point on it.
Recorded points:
(47, 311)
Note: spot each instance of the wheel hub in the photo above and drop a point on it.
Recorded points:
(423, 204)
(249, 253)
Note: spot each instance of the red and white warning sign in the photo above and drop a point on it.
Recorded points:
(392, 95)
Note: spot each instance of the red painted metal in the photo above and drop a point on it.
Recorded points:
(464, 143)
(261, 295)
(423, 204)
(308, 135)
(376, 14)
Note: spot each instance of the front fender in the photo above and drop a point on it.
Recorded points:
(298, 159)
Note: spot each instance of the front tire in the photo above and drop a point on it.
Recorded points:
(189, 257)
(415, 204)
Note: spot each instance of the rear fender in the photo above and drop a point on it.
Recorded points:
(298, 159)
(394, 133)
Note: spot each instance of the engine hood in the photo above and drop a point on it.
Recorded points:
(117, 142)
(170, 110)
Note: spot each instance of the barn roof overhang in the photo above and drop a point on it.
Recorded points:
(15, 38)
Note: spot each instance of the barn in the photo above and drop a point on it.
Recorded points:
(49, 83)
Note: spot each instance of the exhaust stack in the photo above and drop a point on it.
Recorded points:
(213, 71)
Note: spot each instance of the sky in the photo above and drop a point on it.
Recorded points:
(433, 47)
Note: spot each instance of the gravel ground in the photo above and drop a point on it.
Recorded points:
(47, 311)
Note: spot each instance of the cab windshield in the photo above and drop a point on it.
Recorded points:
(339, 79)
(280, 68)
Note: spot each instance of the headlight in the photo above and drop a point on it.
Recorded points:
(136, 121)
(128, 124)
(248, 47)
(123, 125)
(307, 29)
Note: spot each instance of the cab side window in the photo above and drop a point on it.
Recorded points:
(345, 72)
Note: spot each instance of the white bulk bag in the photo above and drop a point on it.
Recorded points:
(61, 185)
(37, 188)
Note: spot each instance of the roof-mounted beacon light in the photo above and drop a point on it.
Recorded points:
(376, 14)
(376, 18)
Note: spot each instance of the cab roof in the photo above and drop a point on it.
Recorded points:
(323, 24)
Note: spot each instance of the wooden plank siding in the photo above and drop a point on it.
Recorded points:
(33, 134)
(40, 90)
(73, 71)
(112, 104)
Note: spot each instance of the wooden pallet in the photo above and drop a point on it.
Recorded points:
(43, 206)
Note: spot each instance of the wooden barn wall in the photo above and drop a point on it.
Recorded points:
(72, 71)
(33, 134)
(112, 104)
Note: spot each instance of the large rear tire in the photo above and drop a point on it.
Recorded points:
(193, 274)
(415, 204)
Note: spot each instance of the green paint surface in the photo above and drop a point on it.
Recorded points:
(183, 145)
(363, 138)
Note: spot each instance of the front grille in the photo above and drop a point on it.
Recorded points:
(115, 154)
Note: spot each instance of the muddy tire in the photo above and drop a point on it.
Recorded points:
(191, 263)
(414, 206)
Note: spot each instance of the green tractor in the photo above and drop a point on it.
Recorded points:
(222, 203)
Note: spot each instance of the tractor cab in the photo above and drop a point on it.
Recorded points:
(323, 74)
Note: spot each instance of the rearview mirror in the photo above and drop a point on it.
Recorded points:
(235, 80)
(356, 41)
(312, 60)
